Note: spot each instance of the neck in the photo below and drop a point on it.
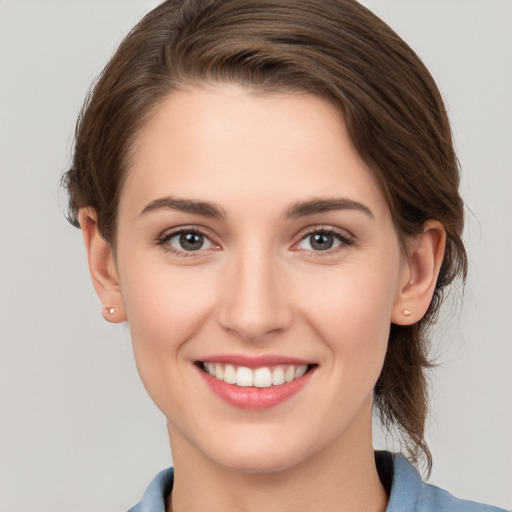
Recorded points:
(342, 477)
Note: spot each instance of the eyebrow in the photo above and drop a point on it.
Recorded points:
(296, 210)
(302, 209)
(204, 208)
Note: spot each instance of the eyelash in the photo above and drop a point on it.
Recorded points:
(165, 237)
(343, 237)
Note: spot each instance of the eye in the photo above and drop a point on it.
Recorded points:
(187, 241)
(323, 240)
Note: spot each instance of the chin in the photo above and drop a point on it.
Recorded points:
(260, 455)
(258, 463)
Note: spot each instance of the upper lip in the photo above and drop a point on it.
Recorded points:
(254, 361)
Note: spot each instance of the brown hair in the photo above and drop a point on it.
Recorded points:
(336, 49)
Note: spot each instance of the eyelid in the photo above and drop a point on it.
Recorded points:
(165, 236)
(346, 238)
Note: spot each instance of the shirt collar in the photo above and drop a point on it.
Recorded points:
(396, 473)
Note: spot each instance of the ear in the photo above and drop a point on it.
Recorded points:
(102, 267)
(419, 276)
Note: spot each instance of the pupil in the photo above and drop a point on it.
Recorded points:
(322, 241)
(191, 241)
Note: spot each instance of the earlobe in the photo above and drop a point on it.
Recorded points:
(419, 280)
(102, 267)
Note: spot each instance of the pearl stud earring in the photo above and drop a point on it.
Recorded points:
(111, 310)
(406, 312)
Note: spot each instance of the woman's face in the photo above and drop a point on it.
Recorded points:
(254, 242)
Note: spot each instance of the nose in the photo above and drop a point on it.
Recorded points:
(255, 303)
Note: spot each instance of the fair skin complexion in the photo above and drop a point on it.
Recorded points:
(287, 250)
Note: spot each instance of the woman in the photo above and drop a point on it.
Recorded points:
(268, 194)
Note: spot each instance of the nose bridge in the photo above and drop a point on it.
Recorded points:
(255, 302)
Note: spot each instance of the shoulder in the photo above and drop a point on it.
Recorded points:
(156, 493)
(409, 492)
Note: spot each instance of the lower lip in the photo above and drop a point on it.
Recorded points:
(254, 398)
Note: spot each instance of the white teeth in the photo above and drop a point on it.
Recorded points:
(299, 372)
(278, 376)
(219, 372)
(244, 377)
(263, 377)
(289, 374)
(229, 374)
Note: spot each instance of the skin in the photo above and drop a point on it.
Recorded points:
(258, 286)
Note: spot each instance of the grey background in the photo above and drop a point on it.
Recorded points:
(77, 432)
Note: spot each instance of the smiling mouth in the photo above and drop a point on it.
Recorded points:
(262, 377)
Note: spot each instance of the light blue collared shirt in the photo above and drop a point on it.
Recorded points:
(408, 491)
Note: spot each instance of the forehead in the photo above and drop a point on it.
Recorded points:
(224, 141)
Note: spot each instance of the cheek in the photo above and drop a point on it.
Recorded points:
(350, 307)
(165, 308)
(164, 302)
(154, 312)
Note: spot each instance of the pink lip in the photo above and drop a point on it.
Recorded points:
(254, 362)
(253, 398)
